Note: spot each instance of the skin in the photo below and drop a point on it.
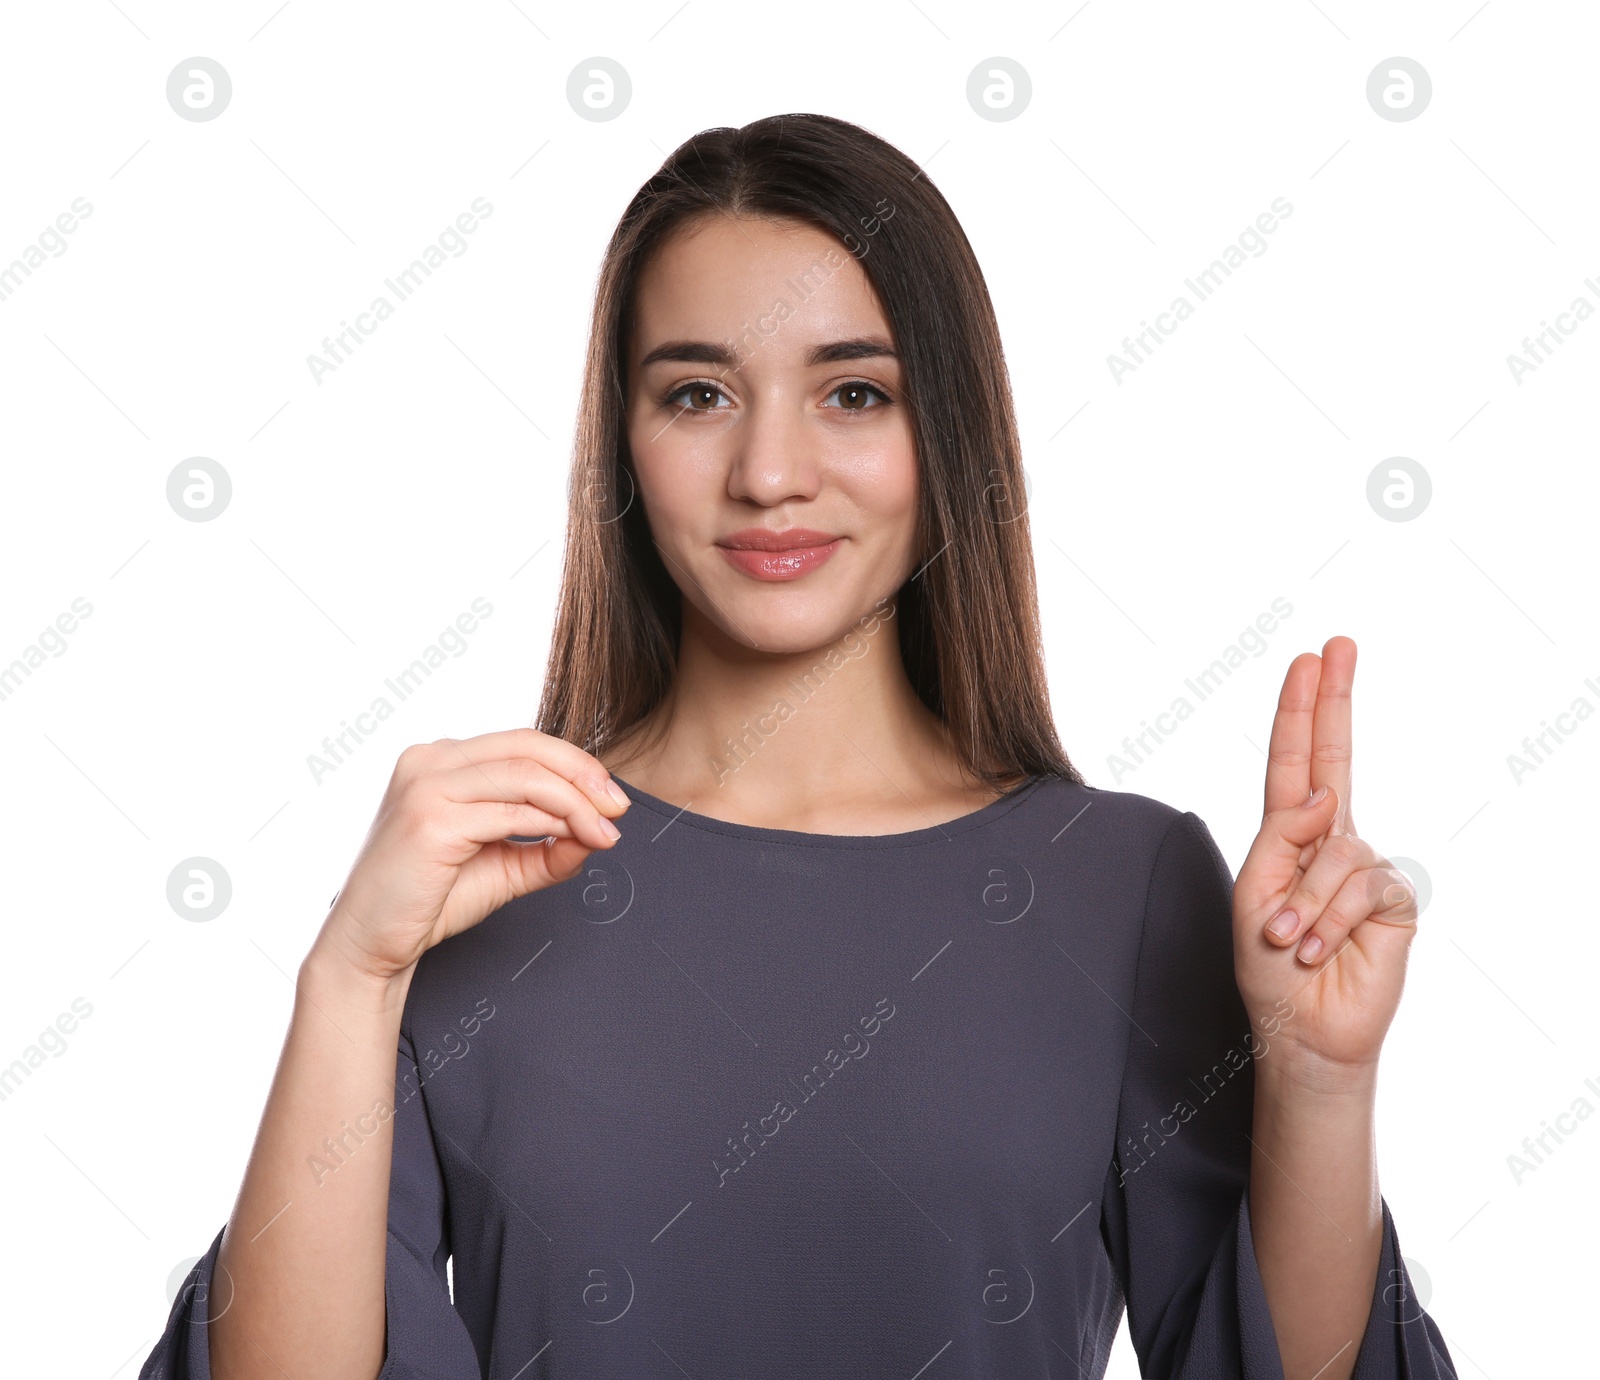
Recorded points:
(1316, 1216)
(300, 1278)
(772, 441)
(768, 439)
(298, 1288)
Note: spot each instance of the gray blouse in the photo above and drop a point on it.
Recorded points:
(746, 1102)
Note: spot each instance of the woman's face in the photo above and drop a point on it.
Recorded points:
(764, 396)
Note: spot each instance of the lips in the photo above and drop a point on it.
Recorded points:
(790, 539)
(785, 555)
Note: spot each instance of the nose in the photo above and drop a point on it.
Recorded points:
(773, 456)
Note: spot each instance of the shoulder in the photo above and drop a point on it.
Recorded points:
(1126, 815)
(1136, 840)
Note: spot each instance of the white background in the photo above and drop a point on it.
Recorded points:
(1168, 510)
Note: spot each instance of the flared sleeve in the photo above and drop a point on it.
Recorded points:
(426, 1337)
(1175, 1212)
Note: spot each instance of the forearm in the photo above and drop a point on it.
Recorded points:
(299, 1286)
(1315, 1213)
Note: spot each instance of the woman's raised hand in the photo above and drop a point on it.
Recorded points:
(1320, 917)
(438, 859)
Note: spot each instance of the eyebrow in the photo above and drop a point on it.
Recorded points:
(719, 355)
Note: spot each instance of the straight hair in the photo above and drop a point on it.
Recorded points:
(967, 620)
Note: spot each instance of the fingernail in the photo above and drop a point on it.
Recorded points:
(1310, 949)
(612, 832)
(617, 793)
(1317, 795)
(1284, 924)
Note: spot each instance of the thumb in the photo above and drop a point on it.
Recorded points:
(1273, 862)
(1289, 830)
(534, 865)
(564, 858)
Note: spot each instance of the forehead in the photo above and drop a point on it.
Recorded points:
(722, 276)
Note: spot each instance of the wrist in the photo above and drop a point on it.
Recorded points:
(329, 973)
(1292, 1075)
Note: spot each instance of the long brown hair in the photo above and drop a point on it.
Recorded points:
(968, 618)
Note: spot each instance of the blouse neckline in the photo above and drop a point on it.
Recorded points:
(757, 833)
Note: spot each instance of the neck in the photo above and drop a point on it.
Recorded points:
(783, 729)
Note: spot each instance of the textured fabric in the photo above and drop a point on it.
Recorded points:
(742, 1102)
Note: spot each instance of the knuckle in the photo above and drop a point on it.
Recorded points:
(419, 800)
(421, 819)
(1394, 888)
(1284, 820)
(1340, 916)
(1331, 928)
(526, 773)
(410, 760)
(1342, 850)
(1310, 897)
(448, 750)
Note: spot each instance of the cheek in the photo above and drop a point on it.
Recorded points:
(884, 482)
(675, 486)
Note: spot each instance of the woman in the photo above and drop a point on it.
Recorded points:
(633, 1105)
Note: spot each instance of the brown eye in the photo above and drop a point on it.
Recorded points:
(854, 396)
(695, 394)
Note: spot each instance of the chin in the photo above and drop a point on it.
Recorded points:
(786, 627)
(789, 636)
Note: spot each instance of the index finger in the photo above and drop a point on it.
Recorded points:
(1289, 750)
(583, 769)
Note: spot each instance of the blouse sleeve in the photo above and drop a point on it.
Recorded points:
(1175, 1214)
(426, 1337)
